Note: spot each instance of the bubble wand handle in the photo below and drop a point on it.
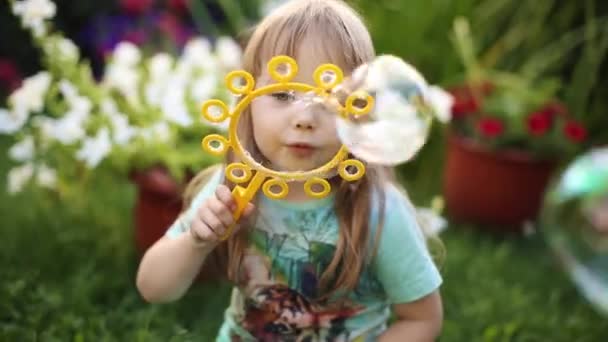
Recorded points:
(242, 196)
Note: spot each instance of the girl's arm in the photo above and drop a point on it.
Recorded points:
(418, 321)
(169, 267)
(171, 264)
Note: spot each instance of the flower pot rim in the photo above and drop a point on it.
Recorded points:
(156, 179)
(507, 154)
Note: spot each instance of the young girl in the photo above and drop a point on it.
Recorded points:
(304, 269)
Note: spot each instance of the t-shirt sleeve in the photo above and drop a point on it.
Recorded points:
(402, 263)
(182, 223)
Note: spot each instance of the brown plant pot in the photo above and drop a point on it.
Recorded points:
(157, 205)
(499, 189)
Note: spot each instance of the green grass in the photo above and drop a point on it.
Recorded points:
(68, 275)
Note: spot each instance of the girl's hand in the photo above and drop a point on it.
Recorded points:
(215, 216)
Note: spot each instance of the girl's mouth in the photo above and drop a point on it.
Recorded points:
(301, 150)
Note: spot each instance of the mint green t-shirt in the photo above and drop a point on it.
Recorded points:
(291, 244)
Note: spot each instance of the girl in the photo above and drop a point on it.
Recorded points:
(304, 270)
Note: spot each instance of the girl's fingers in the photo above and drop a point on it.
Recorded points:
(225, 196)
(212, 221)
(203, 231)
(248, 210)
(221, 211)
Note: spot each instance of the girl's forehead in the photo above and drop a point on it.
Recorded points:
(309, 55)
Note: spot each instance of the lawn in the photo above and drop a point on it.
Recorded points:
(68, 275)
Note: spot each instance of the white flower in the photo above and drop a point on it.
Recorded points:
(68, 50)
(18, 177)
(68, 90)
(173, 105)
(33, 13)
(64, 47)
(197, 53)
(11, 122)
(159, 132)
(203, 88)
(66, 130)
(160, 66)
(441, 102)
(23, 150)
(46, 176)
(122, 131)
(30, 96)
(69, 128)
(126, 54)
(430, 222)
(94, 149)
(228, 52)
(125, 79)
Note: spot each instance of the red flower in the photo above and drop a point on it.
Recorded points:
(9, 75)
(467, 98)
(135, 7)
(554, 109)
(463, 106)
(575, 131)
(539, 122)
(490, 127)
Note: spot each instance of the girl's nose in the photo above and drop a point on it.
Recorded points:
(304, 125)
(304, 119)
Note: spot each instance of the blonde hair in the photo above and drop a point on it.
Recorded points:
(345, 41)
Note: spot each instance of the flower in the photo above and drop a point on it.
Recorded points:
(539, 123)
(467, 98)
(132, 119)
(11, 122)
(178, 5)
(197, 53)
(30, 97)
(18, 177)
(46, 176)
(68, 50)
(229, 52)
(122, 73)
(33, 13)
(135, 7)
(23, 150)
(575, 131)
(490, 127)
(9, 75)
(122, 131)
(95, 149)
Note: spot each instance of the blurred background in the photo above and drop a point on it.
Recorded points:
(100, 130)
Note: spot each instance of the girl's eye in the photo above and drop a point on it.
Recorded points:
(283, 96)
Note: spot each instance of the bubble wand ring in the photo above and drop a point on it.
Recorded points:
(266, 178)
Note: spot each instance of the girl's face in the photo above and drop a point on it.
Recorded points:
(290, 135)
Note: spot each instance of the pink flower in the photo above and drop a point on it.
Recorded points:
(575, 131)
(179, 6)
(490, 127)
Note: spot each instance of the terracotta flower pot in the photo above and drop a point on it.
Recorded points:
(499, 189)
(157, 205)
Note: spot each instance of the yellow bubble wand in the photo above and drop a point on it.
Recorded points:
(270, 180)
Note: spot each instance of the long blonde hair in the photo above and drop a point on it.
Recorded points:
(345, 41)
